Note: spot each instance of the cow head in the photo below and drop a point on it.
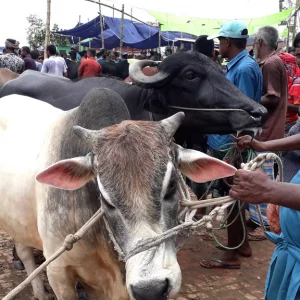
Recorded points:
(136, 165)
(192, 79)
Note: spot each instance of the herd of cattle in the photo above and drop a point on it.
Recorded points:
(90, 143)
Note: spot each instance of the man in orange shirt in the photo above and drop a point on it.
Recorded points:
(90, 67)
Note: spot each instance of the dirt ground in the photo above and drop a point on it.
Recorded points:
(198, 283)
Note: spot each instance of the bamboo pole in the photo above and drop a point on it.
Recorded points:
(159, 38)
(47, 35)
(122, 30)
(119, 10)
(79, 42)
(101, 25)
(113, 10)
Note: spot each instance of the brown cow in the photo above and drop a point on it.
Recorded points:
(7, 75)
(130, 169)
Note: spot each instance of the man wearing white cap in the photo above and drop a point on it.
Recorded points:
(244, 72)
(11, 60)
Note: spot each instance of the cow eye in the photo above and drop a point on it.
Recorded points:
(190, 76)
(171, 191)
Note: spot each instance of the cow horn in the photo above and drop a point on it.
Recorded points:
(138, 77)
(86, 135)
(172, 123)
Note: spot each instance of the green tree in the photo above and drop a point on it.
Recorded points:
(36, 32)
(57, 39)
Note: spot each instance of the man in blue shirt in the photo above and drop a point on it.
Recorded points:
(244, 72)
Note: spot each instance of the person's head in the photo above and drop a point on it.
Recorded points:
(83, 53)
(265, 42)
(291, 50)
(91, 52)
(111, 56)
(4, 51)
(117, 54)
(72, 55)
(74, 48)
(296, 42)
(233, 38)
(297, 55)
(101, 53)
(12, 46)
(205, 46)
(168, 52)
(51, 50)
(124, 56)
(34, 54)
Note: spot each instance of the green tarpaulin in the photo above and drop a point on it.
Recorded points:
(198, 26)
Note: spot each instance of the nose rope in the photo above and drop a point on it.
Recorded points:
(206, 109)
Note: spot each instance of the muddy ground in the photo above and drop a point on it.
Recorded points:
(198, 283)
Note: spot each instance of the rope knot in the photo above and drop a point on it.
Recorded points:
(69, 241)
(207, 222)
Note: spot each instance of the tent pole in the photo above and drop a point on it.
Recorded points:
(159, 38)
(47, 36)
(101, 24)
(122, 30)
(113, 10)
(79, 41)
(131, 13)
(113, 7)
(90, 43)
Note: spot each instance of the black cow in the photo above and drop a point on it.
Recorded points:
(186, 81)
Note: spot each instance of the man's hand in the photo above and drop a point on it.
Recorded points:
(251, 186)
(246, 142)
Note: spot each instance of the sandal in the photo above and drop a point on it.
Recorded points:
(219, 264)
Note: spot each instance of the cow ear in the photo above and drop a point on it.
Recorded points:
(200, 167)
(156, 103)
(68, 174)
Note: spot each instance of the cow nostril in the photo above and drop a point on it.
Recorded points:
(158, 290)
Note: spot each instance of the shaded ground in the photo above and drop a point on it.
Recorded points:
(198, 283)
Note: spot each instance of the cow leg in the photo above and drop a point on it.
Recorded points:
(62, 281)
(26, 255)
(17, 261)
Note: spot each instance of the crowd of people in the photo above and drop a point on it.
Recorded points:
(264, 75)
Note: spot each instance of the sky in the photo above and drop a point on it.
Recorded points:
(66, 12)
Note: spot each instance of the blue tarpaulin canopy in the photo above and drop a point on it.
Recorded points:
(136, 35)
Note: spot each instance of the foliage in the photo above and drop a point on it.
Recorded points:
(285, 4)
(36, 33)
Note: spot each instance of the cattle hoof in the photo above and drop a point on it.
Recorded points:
(18, 265)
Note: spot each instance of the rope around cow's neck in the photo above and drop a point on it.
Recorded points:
(189, 210)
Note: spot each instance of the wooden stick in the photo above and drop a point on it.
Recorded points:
(122, 30)
(47, 35)
(101, 24)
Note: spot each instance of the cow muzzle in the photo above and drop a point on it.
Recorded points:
(158, 290)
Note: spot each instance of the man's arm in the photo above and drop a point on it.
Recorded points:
(44, 67)
(269, 101)
(255, 187)
(290, 143)
(292, 108)
(81, 68)
(272, 85)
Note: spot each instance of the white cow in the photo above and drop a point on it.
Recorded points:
(133, 165)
